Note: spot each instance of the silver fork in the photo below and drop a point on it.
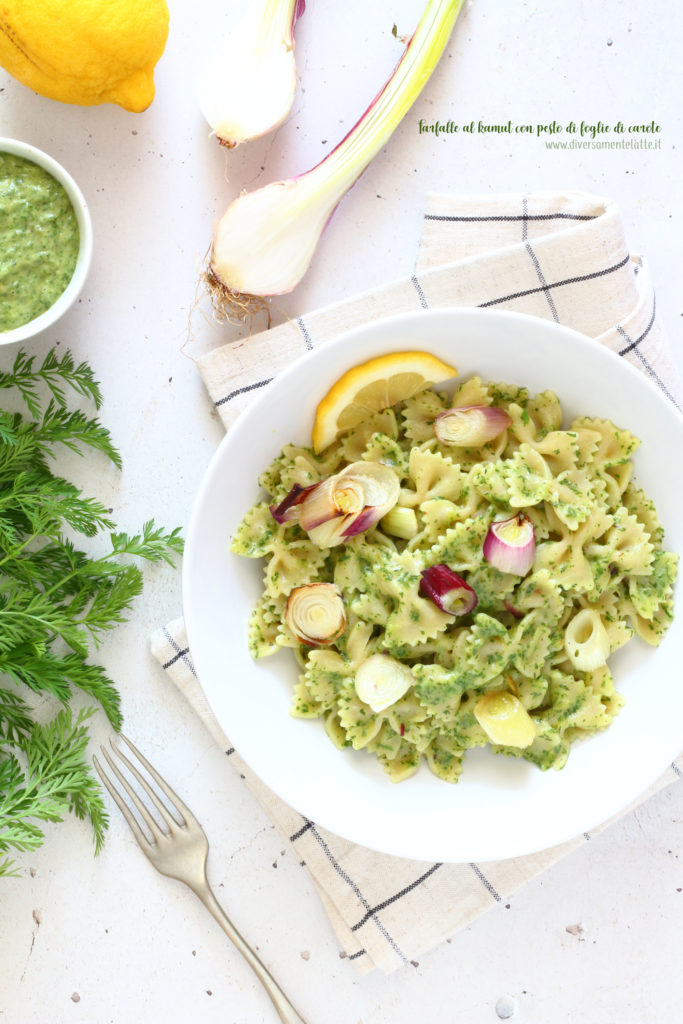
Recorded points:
(180, 852)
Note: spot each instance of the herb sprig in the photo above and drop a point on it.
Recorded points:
(56, 600)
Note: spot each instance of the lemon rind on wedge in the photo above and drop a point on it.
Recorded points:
(372, 386)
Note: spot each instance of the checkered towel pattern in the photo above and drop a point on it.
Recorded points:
(558, 256)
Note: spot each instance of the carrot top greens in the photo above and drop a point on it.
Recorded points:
(56, 600)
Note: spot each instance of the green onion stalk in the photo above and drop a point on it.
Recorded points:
(265, 241)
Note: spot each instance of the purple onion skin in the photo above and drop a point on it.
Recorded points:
(439, 583)
(516, 560)
(312, 524)
(287, 510)
(362, 521)
(497, 421)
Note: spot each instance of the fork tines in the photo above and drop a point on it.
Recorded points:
(182, 816)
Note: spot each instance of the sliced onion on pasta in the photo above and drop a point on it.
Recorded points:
(315, 614)
(586, 641)
(382, 680)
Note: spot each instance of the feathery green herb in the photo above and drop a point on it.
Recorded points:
(56, 601)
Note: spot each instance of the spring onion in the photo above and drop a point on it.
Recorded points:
(586, 641)
(400, 522)
(248, 88)
(265, 241)
(505, 720)
(447, 590)
(315, 614)
(382, 680)
(470, 425)
(348, 503)
(510, 545)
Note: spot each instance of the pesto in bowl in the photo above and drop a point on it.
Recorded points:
(39, 240)
(45, 241)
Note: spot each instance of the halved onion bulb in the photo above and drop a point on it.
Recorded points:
(382, 680)
(447, 590)
(247, 88)
(266, 239)
(586, 641)
(349, 502)
(315, 614)
(470, 425)
(505, 720)
(510, 545)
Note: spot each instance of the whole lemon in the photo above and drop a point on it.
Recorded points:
(85, 51)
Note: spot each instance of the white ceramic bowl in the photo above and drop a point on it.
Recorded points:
(73, 289)
(501, 807)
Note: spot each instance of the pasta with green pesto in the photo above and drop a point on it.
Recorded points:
(521, 666)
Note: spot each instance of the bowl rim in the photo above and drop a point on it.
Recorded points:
(38, 156)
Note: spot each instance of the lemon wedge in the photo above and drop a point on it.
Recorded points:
(373, 386)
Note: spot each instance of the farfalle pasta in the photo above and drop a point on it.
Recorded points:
(536, 642)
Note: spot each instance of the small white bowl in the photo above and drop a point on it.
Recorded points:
(73, 289)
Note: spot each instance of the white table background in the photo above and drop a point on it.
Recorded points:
(107, 939)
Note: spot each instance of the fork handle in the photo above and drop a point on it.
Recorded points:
(285, 1010)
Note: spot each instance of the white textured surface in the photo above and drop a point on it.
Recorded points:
(135, 946)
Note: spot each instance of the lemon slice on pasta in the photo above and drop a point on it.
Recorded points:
(373, 386)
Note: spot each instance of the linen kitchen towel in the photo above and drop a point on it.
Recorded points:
(559, 256)
(563, 257)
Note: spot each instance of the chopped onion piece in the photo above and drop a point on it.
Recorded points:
(586, 641)
(447, 590)
(400, 522)
(382, 680)
(505, 720)
(349, 502)
(288, 509)
(510, 545)
(471, 425)
(315, 613)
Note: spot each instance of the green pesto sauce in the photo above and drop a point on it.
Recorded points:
(39, 241)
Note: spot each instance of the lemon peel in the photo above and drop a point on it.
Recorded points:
(372, 386)
(85, 51)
